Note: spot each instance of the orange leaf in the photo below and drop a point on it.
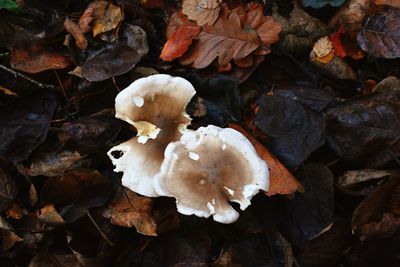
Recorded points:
(73, 28)
(337, 44)
(281, 181)
(179, 42)
(325, 59)
(34, 58)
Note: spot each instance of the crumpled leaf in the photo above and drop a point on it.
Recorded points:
(323, 50)
(8, 189)
(96, 130)
(380, 35)
(103, 15)
(202, 11)
(236, 35)
(113, 60)
(24, 124)
(361, 130)
(392, 3)
(49, 215)
(322, 3)
(33, 57)
(311, 213)
(294, 130)
(300, 31)
(73, 28)
(281, 181)
(128, 209)
(179, 42)
(379, 214)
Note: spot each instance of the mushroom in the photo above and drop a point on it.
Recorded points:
(155, 106)
(209, 167)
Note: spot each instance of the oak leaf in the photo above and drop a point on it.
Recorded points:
(234, 36)
(202, 11)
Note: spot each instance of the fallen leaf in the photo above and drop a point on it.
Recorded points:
(73, 28)
(333, 65)
(135, 38)
(363, 129)
(49, 215)
(292, 142)
(281, 181)
(103, 15)
(322, 3)
(179, 42)
(34, 57)
(358, 176)
(380, 36)
(323, 50)
(113, 60)
(374, 216)
(234, 36)
(311, 213)
(152, 3)
(128, 209)
(392, 3)
(24, 124)
(55, 259)
(202, 11)
(351, 15)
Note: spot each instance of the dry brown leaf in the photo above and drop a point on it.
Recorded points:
(128, 209)
(73, 28)
(202, 11)
(34, 58)
(49, 215)
(281, 181)
(392, 3)
(323, 47)
(351, 15)
(103, 16)
(234, 36)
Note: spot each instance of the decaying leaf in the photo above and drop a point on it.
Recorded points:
(128, 209)
(281, 181)
(323, 50)
(300, 31)
(234, 36)
(380, 35)
(358, 176)
(362, 129)
(351, 15)
(102, 15)
(8, 188)
(8, 239)
(73, 28)
(378, 214)
(202, 11)
(179, 42)
(392, 3)
(49, 215)
(34, 57)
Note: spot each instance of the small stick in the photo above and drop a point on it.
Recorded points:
(98, 229)
(17, 74)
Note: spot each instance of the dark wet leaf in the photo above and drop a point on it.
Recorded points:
(322, 3)
(8, 188)
(379, 214)
(294, 130)
(309, 214)
(24, 125)
(8, 239)
(365, 129)
(380, 35)
(83, 189)
(96, 130)
(54, 259)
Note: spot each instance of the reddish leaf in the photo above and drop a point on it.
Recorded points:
(34, 58)
(179, 42)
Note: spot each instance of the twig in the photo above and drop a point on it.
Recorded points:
(17, 74)
(61, 86)
(98, 229)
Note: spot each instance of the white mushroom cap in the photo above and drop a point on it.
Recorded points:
(155, 105)
(208, 168)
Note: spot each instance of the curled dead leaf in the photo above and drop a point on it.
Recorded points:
(179, 42)
(73, 28)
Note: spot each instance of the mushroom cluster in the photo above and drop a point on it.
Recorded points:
(203, 169)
